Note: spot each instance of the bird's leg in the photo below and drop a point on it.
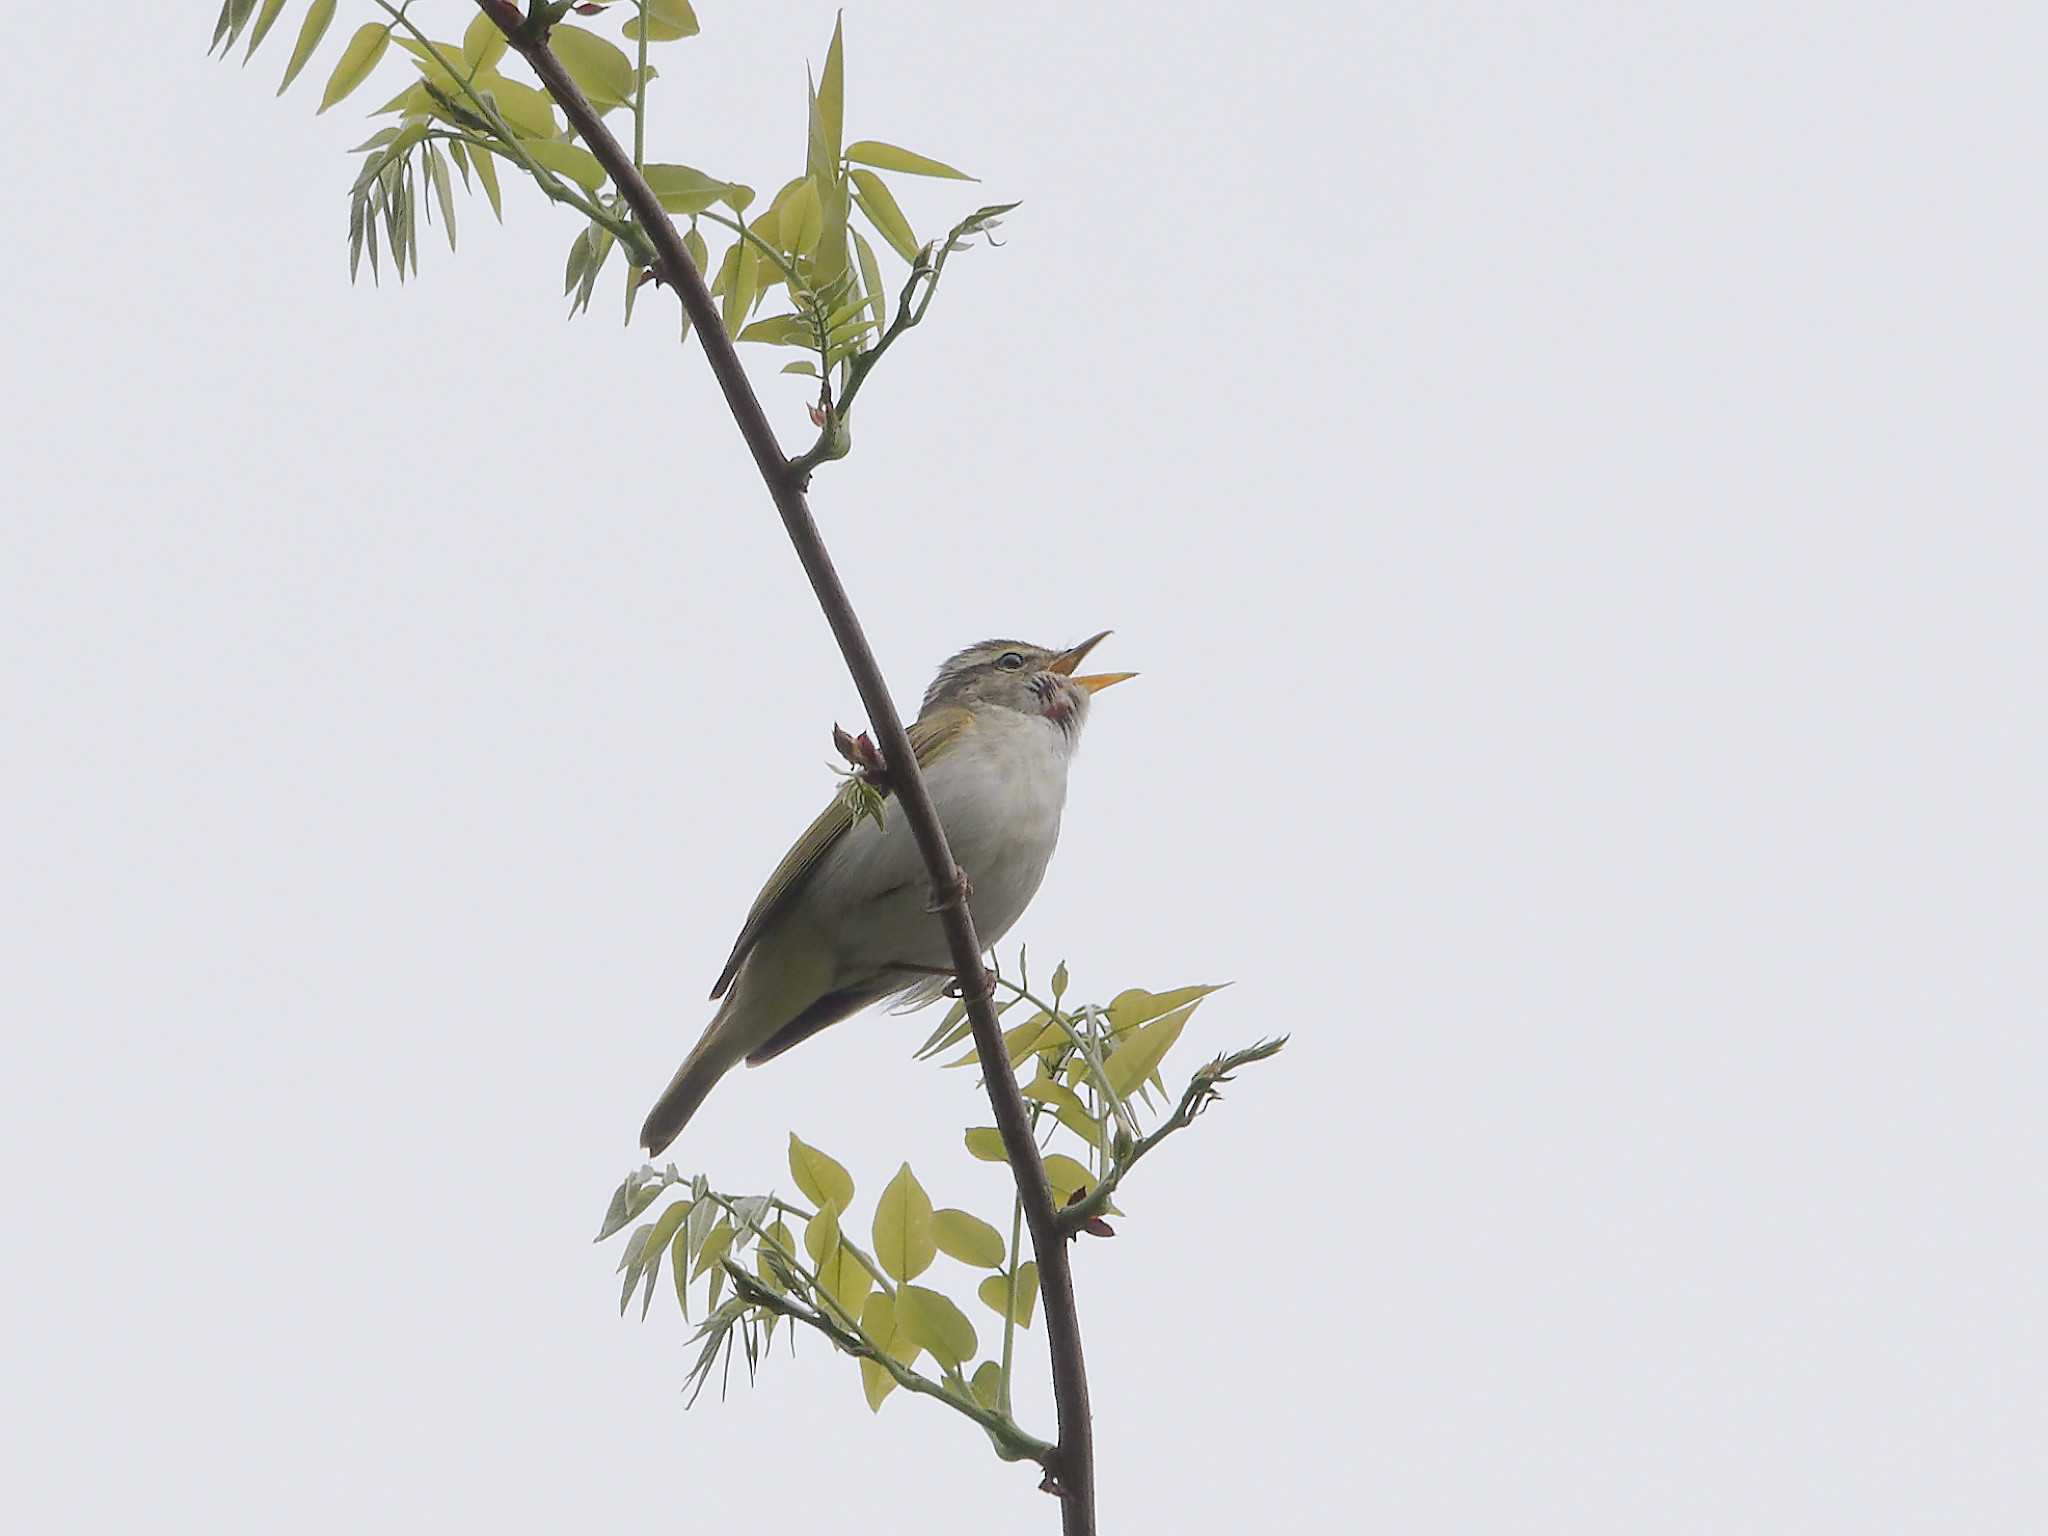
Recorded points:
(962, 889)
(988, 977)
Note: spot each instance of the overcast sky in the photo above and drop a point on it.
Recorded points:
(1571, 478)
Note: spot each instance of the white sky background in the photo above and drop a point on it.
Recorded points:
(1571, 479)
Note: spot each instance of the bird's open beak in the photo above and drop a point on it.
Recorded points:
(1066, 661)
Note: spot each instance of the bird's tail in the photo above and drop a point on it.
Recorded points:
(712, 1057)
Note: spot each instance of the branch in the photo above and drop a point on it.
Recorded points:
(1202, 1091)
(1072, 1465)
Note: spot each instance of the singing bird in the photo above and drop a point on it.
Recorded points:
(845, 921)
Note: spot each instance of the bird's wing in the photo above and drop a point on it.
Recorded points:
(930, 737)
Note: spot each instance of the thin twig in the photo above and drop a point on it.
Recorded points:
(1072, 1463)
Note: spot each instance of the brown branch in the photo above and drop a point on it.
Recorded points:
(1073, 1465)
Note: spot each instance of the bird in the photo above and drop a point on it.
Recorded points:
(846, 921)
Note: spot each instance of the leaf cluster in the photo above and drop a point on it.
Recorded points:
(747, 1263)
(808, 256)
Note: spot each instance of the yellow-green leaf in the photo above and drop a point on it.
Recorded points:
(823, 1182)
(995, 1293)
(888, 157)
(528, 111)
(966, 1237)
(1141, 1052)
(596, 63)
(679, 1266)
(1066, 1176)
(935, 1323)
(904, 1244)
(1134, 1005)
(1055, 1094)
(821, 1235)
(265, 20)
(846, 1279)
(486, 162)
(362, 54)
(444, 194)
(830, 106)
(987, 1385)
(716, 1243)
(1036, 1033)
(874, 198)
(878, 1322)
(685, 189)
(311, 30)
(667, 20)
(871, 279)
(483, 42)
(779, 331)
(986, 1143)
(570, 160)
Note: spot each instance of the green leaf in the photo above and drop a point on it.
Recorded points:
(487, 173)
(828, 261)
(716, 1243)
(936, 1324)
(823, 1181)
(904, 1244)
(570, 160)
(634, 1262)
(968, 1238)
(638, 1191)
(1134, 1005)
(780, 331)
(740, 291)
(667, 20)
(878, 1322)
(803, 219)
(444, 193)
(828, 106)
(986, 1143)
(311, 31)
(987, 1385)
(577, 264)
(874, 199)
(685, 189)
(801, 365)
(234, 15)
(679, 1267)
(821, 1234)
(483, 43)
(666, 1229)
(1055, 1094)
(1066, 1176)
(842, 1274)
(362, 55)
(596, 63)
(871, 279)
(888, 157)
(1146, 1026)
(265, 20)
(528, 111)
(1059, 981)
(995, 1293)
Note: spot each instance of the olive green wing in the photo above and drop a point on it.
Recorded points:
(930, 738)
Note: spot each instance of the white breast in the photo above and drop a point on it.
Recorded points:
(999, 792)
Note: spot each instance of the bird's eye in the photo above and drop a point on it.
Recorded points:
(1011, 661)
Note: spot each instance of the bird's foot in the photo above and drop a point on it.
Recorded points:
(962, 889)
(988, 984)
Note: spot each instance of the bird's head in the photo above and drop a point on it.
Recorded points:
(1008, 674)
